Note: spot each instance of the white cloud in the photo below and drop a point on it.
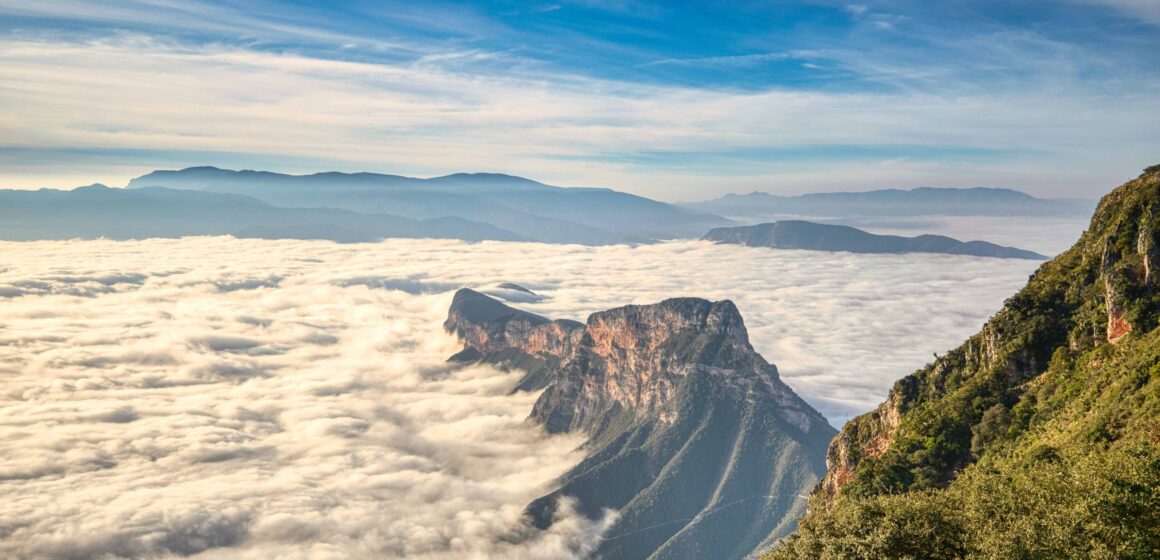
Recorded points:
(167, 396)
(210, 100)
(1145, 10)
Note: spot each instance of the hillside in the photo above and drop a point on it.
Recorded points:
(797, 234)
(1037, 438)
(693, 439)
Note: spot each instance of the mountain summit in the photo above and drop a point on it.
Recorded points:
(693, 439)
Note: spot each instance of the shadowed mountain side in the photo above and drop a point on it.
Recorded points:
(797, 234)
(693, 438)
(925, 201)
(533, 210)
(98, 211)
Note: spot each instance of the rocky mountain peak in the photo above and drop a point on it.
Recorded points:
(497, 333)
(685, 422)
(670, 333)
(629, 359)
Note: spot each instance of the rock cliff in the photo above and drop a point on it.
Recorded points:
(693, 439)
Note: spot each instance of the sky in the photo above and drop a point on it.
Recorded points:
(292, 399)
(672, 100)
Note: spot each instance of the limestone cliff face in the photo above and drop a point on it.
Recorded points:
(869, 437)
(634, 359)
(486, 325)
(629, 359)
(1100, 291)
(495, 333)
(1148, 244)
(693, 438)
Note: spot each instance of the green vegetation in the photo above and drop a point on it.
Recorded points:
(1037, 438)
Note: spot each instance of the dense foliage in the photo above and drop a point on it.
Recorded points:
(1035, 439)
(1080, 480)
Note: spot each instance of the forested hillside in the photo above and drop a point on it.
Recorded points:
(1037, 438)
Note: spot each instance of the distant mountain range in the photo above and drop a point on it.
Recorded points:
(100, 211)
(368, 207)
(692, 437)
(925, 201)
(797, 234)
(526, 208)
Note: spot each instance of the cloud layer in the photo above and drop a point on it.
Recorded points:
(246, 398)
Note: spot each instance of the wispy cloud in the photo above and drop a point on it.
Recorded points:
(1145, 10)
(301, 92)
(735, 60)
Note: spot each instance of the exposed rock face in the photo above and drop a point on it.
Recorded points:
(797, 234)
(1118, 325)
(693, 438)
(1100, 291)
(495, 333)
(1148, 244)
(853, 445)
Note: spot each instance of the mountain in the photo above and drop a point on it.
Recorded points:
(692, 437)
(1039, 437)
(797, 234)
(98, 211)
(925, 201)
(530, 209)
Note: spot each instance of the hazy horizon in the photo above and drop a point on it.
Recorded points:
(120, 183)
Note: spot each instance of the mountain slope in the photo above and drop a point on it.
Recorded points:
(528, 208)
(693, 438)
(797, 234)
(1037, 438)
(925, 201)
(98, 211)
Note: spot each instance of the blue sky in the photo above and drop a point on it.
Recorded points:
(675, 100)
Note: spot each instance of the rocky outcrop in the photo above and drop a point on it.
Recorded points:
(495, 333)
(1113, 279)
(693, 439)
(797, 234)
(1148, 244)
(869, 437)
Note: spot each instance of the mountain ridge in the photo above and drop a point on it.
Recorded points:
(799, 234)
(98, 211)
(684, 421)
(1036, 438)
(920, 201)
(528, 208)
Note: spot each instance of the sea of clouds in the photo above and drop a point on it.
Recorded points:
(233, 398)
